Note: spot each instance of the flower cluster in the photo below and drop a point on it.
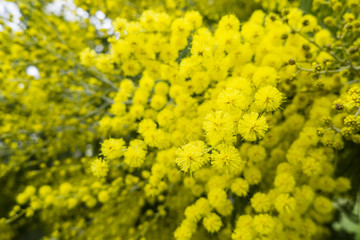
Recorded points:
(180, 121)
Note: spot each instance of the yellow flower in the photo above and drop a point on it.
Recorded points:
(193, 18)
(226, 158)
(229, 23)
(264, 223)
(135, 154)
(192, 156)
(212, 222)
(99, 168)
(240, 187)
(218, 127)
(217, 197)
(268, 99)
(252, 127)
(261, 202)
(232, 101)
(113, 148)
(285, 204)
(265, 76)
(103, 196)
(131, 68)
(323, 205)
(285, 182)
(252, 175)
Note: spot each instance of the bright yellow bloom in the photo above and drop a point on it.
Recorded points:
(99, 168)
(265, 76)
(135, 154)
(285, 204)
(268, 99)
(261, 202)
(240, 187)
(285, 182)
(226, 158)
(192, 156)
(218, 127)
(233, 101)
(113, 148)
(229, 23)
(323, 205)
(212, 222)
(252, 127)
(264, 223)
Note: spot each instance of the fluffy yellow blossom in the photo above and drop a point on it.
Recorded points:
(229, 23)
(113, 148)
(242, 234)
(193, 18)
(311, 166)
(285, 182)
(252, 175)
(342, 184)
(158, 101)
(103, 196)
(99, 168)
(185, 230)
(65, 188)
(135, 154)
(217, 197)
(218, 127)
(322, 205)
(268, 99)
(226, 158)
(261, 202)
(264, 223)
(232, 100)
(265, 76)
(212, 222)
(45, 190)
(192, 156)
(252, 127)
(240, 187)
(285, 204)
(256, 153)
(198, 210)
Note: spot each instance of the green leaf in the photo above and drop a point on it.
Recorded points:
(347, 224)
(305, 5)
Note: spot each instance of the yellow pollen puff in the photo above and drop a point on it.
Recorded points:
(212, 222)
(261, 202)
(218, 127)
(264, 223)
(285, 182)
(264, 76)
(113, 148)
(226, 158)
(135, 154)
(240, 187)
(103, 196)
(252, 175)
(323, 205)
(285, 204)
(252, 127)
(192, 156)
(268, 99)
(99, 168)
(232, 100)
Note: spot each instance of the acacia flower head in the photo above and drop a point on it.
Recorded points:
(192, 156)
(252, 127)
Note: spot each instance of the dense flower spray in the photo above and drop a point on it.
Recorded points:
(179, 121)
